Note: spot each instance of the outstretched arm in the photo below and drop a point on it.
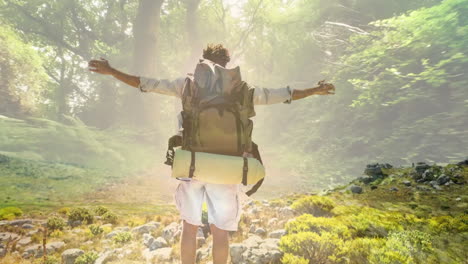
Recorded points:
(322, 89)
(102, 66)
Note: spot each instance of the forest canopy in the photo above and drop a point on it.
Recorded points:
(398, 67)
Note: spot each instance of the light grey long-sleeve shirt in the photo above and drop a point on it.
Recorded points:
(262, 96)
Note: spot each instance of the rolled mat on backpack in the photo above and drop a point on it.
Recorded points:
(215, 168)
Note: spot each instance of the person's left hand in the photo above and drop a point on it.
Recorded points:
(325, 88)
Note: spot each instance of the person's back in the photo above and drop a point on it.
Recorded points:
(223, 200)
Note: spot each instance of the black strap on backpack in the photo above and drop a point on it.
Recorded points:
(256, 155)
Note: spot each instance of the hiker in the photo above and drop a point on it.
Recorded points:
(222, 199)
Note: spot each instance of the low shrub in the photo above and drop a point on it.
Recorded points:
(55, 223)
(314, 205)
(95, 230)
(122, 237)
(405, 247)
(64, 210)
(317, 248)
(80, 214)
(10, 213)
(101, 210)
(87, 258)
(310, 223)
(109, 217)
(446, 223)
(291, 259)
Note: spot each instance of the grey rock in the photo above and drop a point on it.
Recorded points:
(200, 241)
(252, 228)
(105, 256)
(236, 251)
(443, 179)
(20, 222)
(421, 167)
(122, 228)
(27, 226)
(272, 221)
(458, 199)
(160, 255)
(286, 212)
(355, 189)
(146, 228)
(393, 189)
(70, 255)
(170, 232)
(407, 183)
(200, 232)
(202, 254)
(260, 231)
(32, 251)
(2, 252)
(113, 233)
(277, 233)
(5, 236)
(158, 243)
(24, 241)
(428, 175)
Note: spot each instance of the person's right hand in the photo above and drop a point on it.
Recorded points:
(100, 66)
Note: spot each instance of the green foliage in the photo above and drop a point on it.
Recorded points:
(52, 260)
(446, 223)
(100, 210)
(10, 213)
(317, 248)
(122, 237)
(291, 259)
(315, 205)
(24, 82)
(109, 217)
(405, 247)
(96, 230)
(87, 258)
(81, 214)
(309, 223)
(55, 223)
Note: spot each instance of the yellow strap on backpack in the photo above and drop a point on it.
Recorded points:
(216, 168)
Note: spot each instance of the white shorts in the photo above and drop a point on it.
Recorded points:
(223, 201)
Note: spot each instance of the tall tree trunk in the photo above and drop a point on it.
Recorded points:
(145, 31)
(191, 20)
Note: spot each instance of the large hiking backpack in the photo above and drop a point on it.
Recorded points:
(217, 107)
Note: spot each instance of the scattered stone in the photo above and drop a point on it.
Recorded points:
(260, 231)
(170, 232)
(2, 252)
(74, 223)
(256, 221)
(355, 189)
(373, 187)
(286, 212)
(69, 256)
(27, 226)
(32, 251)
(162, 254)
(158, 243)
(394, 189)
(7, 236)
(273, 221)
(20, 222)
(407, 183)
(254, 250)
(200, 233)
(200, 241)
(421, 167)
(458, 199)
(203, 253)
(146, 228)
(422, 188)
(428, 175)
(463, 162)
(443, 179)
(24, 241)
(277, 233)
(105, 256)
(252, 228)
(113, 233)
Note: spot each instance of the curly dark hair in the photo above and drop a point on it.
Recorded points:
(217, 54)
